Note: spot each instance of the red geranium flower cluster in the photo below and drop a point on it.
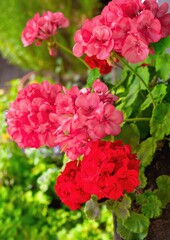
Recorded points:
(108, 171)
(94, 62)
(69, 188)
(43, 27)
(45, 114)
(124, 26)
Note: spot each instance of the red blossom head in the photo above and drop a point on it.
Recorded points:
(109, 170)
(68, 186)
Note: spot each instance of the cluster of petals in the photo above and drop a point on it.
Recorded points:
(94, 62)
(49, 114)
(127, 27)
(43, 27)
(108, 171)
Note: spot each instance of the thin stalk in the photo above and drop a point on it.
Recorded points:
(70, 52)
(132, 70)
(136, 119)
(116, 236)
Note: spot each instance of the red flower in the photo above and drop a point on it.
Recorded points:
(109, 170)
(68, 186)
(103, 66)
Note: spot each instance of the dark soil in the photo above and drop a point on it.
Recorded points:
(159, 228)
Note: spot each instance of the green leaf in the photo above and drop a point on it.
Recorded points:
(130, 135)
(146, 151)
(163, 192)
(93, 75)
(162, 66)
(160, 121)
(137, 223)
(92, 210)
(121, 209)
(158, 94)
(128, 235)
(133, 93)
(142, 177)
(144, 73)
(148, 200)
(162, 45)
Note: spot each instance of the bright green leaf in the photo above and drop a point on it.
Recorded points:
(162, 65)
(146, 151)
(93, 75)
(142, 177)
(160, 121)
(144, 73)
(158, 94)
(133, 93)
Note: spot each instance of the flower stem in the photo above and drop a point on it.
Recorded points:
(70, 52)
(136, 119)
(116, 236)
(132, 70)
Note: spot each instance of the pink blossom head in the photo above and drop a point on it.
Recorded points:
(30, 32)
(43, 27)
(30, 119)
(134, 49)
(94, 39)
(50, 22)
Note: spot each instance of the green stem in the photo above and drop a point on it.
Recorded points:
(136, 119)
(70, 52)
(132, 70)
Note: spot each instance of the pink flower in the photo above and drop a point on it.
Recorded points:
(42, 28)
(94, 39)
(49, 23)
(134, 49)
(120, 33)
(30, 32)
(148, 27)
(106, 122)
(29, 118)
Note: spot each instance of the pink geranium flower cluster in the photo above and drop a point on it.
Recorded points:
(108, 171)
(45, 114)
(41, 28)
(124, 26)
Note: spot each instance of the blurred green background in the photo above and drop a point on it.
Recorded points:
(29, 208)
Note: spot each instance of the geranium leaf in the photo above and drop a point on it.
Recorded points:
(130, 135)
(158, 94)
(163, 192)
(159, 124)
(121, 209)
(144, 73)
(163, 60)
(142, 177)
(133, 93)
(147, 201)
(137, 223)
(146, 151)
(92, 210)
(128, 235)
(93, 75)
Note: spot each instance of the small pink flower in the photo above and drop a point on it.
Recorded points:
(106, 122)
(30, 32)
(134, 50)
(94, 39)
(148, 27)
